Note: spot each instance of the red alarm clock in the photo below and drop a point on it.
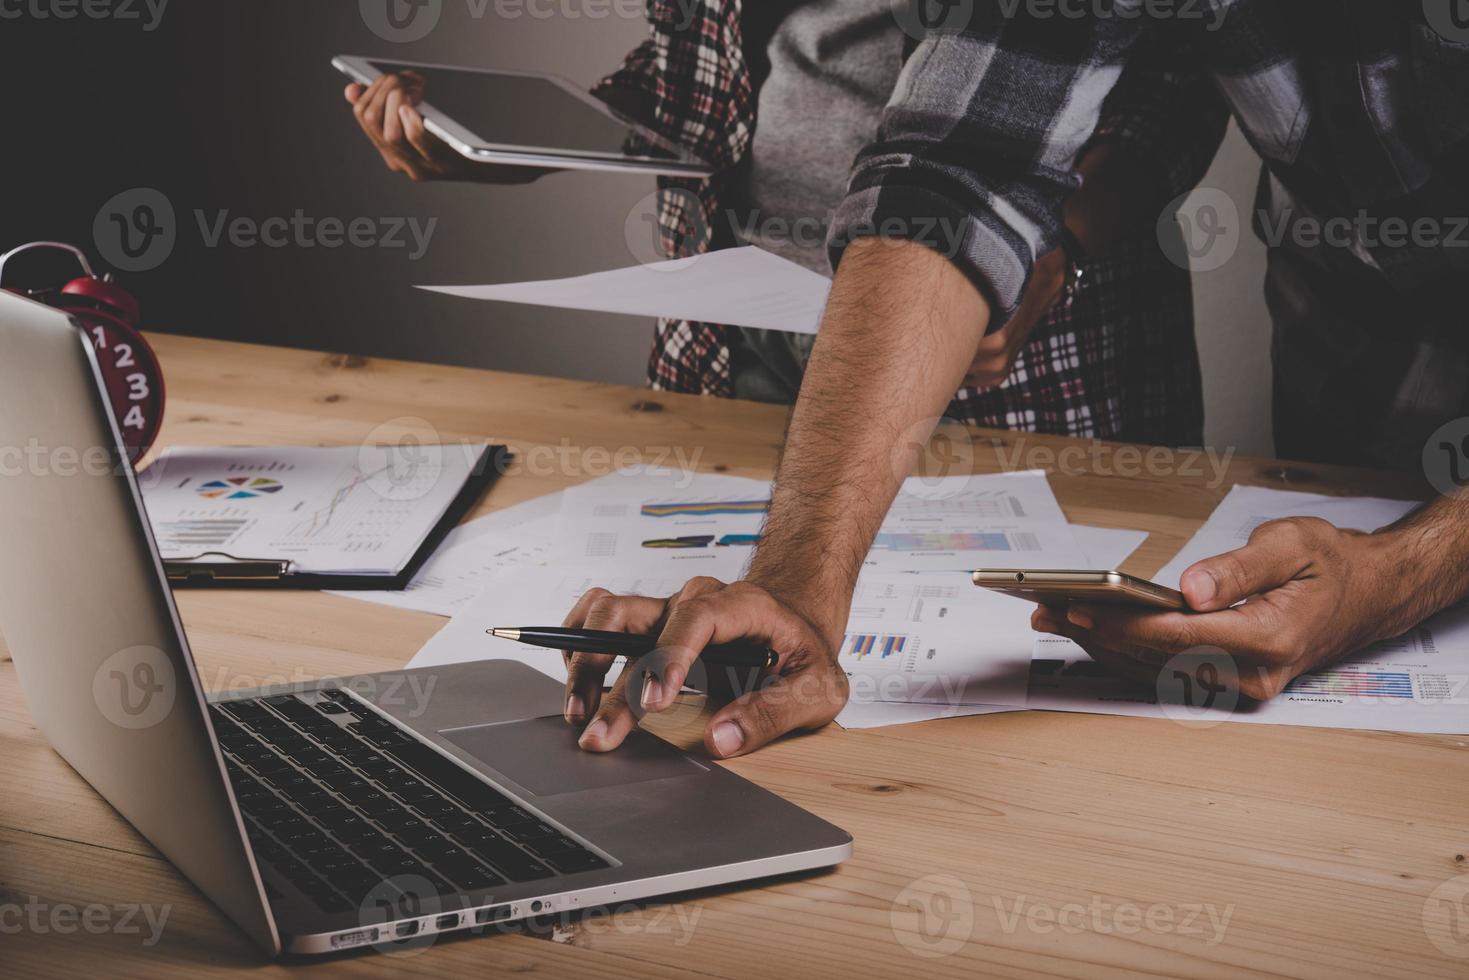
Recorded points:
(108, 315)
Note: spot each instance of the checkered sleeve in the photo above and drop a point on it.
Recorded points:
(1169, 121)
(976, 149)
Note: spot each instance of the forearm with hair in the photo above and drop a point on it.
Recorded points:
(900, 330)
(1427, 560)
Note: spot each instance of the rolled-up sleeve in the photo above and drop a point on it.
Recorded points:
(977, 147)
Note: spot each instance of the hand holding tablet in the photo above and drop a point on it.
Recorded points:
(387, 111)
(446, 123)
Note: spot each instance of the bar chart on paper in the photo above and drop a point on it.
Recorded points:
(1354, 683)
(860, 646)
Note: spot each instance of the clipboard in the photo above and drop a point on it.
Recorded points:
(219, 570)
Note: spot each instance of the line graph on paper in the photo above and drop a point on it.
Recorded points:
(356, 517)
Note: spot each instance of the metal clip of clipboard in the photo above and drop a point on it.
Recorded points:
(229, 569)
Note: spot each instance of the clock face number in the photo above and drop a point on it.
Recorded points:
(134, 383)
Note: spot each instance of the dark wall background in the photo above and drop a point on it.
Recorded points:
(232, 105)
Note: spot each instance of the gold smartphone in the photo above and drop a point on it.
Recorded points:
(1058, 587)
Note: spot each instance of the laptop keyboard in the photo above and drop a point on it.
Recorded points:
(340, 809)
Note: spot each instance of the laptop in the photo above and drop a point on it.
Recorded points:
(362, 812)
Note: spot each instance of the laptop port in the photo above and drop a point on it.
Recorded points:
(406, 929)
(446, 921)
(492, 915)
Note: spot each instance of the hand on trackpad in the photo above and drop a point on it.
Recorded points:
(542, 755)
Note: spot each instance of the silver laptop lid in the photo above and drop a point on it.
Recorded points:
(90, 622)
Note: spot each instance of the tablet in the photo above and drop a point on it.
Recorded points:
(525, 119)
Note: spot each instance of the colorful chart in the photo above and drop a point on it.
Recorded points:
(239, 488)
(859, 645)
(705, 508)
(954, 541)
(1354, 683)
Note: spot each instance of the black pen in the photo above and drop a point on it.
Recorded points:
(630, 644)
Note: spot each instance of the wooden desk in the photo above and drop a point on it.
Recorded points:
(1321, 847)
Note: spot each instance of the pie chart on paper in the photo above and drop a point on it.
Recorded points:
(239, 488)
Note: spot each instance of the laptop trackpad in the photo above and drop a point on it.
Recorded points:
(541, 754)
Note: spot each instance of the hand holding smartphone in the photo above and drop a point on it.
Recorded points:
(1059, 587)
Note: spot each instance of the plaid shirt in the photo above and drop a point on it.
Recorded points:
(1114, 359)
(1360, 109)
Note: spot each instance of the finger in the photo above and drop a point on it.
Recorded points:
(614, 719)
(1118, 627)
(354, 91)
(1245, 631)
(377, 100)
(1278, 552)
(601, 610)
(662, 672)
(805, 699)
(1138, 671)
(1134, 663)
(737, 612)
(1048, 619)
(393, 122)
(429, 146)
(360, 111)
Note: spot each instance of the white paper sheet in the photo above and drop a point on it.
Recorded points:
(518, 536)
(1418, 682)
(976, 660)
(345, 510)
(659, 521)
(706, 524)
(960, 523)
(744, 287)
(1245, 508)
